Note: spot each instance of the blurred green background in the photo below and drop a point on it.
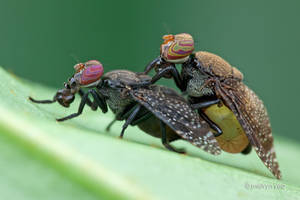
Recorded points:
(41, 41)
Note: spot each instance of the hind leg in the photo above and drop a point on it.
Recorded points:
(165, 141)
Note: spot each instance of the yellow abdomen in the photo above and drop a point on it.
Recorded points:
(233, 139)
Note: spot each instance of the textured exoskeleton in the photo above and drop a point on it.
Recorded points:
(217, 90)
(157, 110)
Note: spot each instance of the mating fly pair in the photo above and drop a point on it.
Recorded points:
(157, 110)
(232, 118)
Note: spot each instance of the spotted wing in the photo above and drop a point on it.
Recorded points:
(174, 111)
(253, 117)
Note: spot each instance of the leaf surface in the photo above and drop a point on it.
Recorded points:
(78, 159)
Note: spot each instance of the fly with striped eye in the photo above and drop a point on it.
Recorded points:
(158, 111)
(86, 75)
(217, 90)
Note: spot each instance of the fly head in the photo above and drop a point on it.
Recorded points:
(64, 97)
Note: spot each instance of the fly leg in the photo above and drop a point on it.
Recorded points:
(91, 104)
(211, 124)
(165, 141)
(156, 62)
(205, 104)
(99, 100)
(131, 116)
(110, 125)
(101, 103)
(136, 120)
(169, 70)
(141, 119)
(199, 106)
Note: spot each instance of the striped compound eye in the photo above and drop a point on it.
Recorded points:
(176, 49)
(90, 75)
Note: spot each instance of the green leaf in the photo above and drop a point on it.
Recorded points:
(78, 159)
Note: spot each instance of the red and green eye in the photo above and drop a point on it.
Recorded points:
(177, 48)
(91, 73)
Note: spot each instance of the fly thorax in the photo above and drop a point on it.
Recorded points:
(196, 85)
(118, 100)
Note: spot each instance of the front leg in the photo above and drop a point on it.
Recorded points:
(171, 69)
(156, 62)
(91, 104)
(80, 109)
(97, 99)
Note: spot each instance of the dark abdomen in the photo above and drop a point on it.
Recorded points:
(151, 126)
